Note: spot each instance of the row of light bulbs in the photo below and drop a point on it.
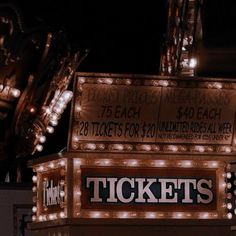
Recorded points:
(231, 195)
(9, 92)
(156, 82)
(150, 147)
(53, 112)
(149, 215)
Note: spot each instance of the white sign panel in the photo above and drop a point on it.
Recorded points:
(143, 113)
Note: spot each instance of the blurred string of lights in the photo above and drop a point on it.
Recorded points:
(225, 190)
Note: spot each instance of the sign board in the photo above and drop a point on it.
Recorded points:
(149, 188)
(108, 111)
(117, 186)
(155, 189)
(51, 191)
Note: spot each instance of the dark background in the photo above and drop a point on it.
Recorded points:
(126, 37)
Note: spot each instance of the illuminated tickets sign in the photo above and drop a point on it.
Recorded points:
(156, 189)
(115, 110)
(102, 186)
(51, 191)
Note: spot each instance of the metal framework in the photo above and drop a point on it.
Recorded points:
(183, 32)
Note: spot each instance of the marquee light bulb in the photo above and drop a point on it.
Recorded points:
(218, 85)
(62, 163)
(229, 195)
(228, 175)
(229, 206)
(128, 81)
(39, 147)
(50, 129)
(54, 122)
(51, 165)
(229, 185)
(67, 95)
(34, 218)
(34, 209)
(15, 92)
(108, 81)
(62, 193)
(229, 215)
(34, 189)
(62, 214)
(34, 178)
(51, 217)
(192, 62)
(164, 83)
(42, 139)
(118, 147)
(78, 108)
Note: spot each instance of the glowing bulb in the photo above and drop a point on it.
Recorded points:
(34, 209)
(15, 92)
(81, 80)
(50, 129)
(229, 185)
(199, 148)
(42, 139)
(90, 146)
(228, 175)
(78, 108)
(51, 217)
(229, 215)
(51, 165)
(67, 95)
(164, 83)
(229, 206)
(172, 148)
(32, 110)
(62, 193)
(128, 81)
(62, 214)
(118, 147)
(34, 178)
(192, 62)
(108, 80)
(34, 189)
(62, 163)
(34, 218)
(54, 122)
(218, 85)
(39, 147)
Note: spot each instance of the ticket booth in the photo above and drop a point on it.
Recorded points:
(146, 155)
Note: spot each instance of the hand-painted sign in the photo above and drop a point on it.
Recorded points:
(144, 112)
(51, 191)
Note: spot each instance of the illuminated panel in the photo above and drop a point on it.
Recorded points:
(119, 114)
(134, 188)
(50, 201)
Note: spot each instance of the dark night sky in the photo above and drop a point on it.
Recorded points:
(122, 37)
(126, 37)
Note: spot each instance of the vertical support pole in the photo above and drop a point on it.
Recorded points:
(70, 190)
